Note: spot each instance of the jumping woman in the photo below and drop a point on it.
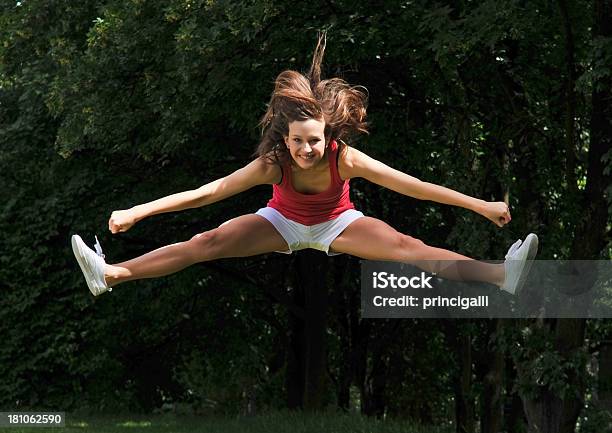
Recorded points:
(303, 155)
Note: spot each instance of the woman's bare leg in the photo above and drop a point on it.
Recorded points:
(244, 236)
(373, 239)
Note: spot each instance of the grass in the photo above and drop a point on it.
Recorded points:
(277, 422)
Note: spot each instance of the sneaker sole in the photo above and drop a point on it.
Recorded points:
(89, 278)
(533, 250)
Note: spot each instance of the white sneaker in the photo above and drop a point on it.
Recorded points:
(518, 263)
(92, 264)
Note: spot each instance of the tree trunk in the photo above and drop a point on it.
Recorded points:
(307, 358)
(312, 268)
(359, 358)
(491, 402)
(294, 379)
(570, 101)
(549, 412)
(464, 403)
(515, 415)
(464, 409)
(374, 403)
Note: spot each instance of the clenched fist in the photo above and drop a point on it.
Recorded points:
(121, 221)
(498, 212)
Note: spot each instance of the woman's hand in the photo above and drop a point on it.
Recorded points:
(497, 211)
(121, 221)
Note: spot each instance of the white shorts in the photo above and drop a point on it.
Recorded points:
(318, 236)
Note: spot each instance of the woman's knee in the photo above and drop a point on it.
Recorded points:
(411, 248)
(205, 246)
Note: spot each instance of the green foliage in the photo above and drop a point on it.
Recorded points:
(595, 419)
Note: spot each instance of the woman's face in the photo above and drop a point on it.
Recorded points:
(306, 142)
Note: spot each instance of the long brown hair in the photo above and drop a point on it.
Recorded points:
(302, 97)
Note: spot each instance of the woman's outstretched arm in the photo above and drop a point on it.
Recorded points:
(257, 172)
(355, 163)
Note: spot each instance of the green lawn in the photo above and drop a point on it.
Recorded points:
(281, 422)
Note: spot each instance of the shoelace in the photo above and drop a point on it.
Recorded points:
(99, 252)
(515, 246)
(98, 248)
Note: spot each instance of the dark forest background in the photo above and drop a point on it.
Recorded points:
(109, 104)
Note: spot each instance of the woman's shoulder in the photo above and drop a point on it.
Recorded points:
(350, 160)
(348, 155)
(346, 159)
(269, 167)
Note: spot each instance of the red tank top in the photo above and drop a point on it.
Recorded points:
(311, 209)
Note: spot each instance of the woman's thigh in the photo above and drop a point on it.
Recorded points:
(243, 236)
(373, 239)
